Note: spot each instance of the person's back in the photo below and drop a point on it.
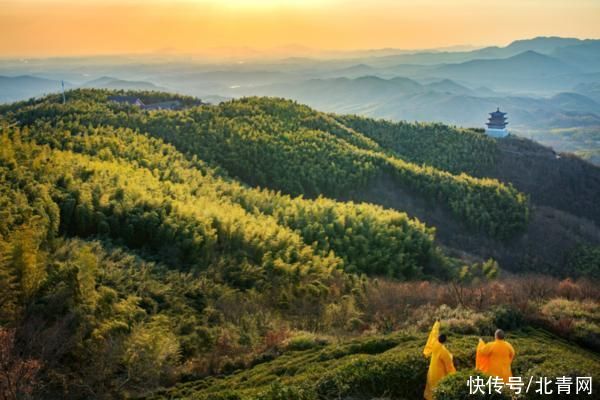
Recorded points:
(499, 355)
(440, 365)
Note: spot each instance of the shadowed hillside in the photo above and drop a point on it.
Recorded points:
(564, 190)
(560, 181)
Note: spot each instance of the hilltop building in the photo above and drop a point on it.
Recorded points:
(134, 101)
(164, 105)
(496, 125)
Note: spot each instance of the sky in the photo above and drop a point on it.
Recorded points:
(92, 27)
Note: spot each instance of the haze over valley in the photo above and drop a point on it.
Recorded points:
(549, 86)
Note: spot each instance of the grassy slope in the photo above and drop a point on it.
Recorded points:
(349, 365)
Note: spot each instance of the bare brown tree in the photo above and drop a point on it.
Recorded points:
(17, 375)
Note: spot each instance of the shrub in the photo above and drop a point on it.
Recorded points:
(151, 355)
(399, 375)
(559, 308)
(554, 369)
(226, 395)
(572, 319)
(569, 289)
(584, 260)
(458, 320)
(373, 346)
(507, 317)
(455, 387)
(279, 391)
(305, 341)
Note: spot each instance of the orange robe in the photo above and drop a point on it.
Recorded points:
(441, 362)
(495, 358)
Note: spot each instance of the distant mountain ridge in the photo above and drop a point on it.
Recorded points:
(107, 82)
(548, 85)
(14, 88)
(444, 100)
(527, 64)
(542, 45)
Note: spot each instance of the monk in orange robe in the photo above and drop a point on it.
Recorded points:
(441, 363)
(495, 358)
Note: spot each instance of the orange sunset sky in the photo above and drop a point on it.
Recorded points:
(87, 27)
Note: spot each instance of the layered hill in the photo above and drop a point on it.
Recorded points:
(288, 147)
(471, 188)
(13, 88)
(441, 100)
(141, 248)
(115, 245)
(564, 190)
(107, 82)
(526, 65)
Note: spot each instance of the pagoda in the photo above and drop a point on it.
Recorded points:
(496, 125)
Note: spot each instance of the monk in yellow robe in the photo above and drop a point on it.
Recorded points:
(495, 358)
(441, 363)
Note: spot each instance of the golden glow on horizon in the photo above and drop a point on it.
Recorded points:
(69, 27)
(263, 4)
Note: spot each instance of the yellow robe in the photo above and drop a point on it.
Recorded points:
(432, 339)
(441, 362)
(495, 358)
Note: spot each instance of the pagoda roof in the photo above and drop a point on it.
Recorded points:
(497, 113)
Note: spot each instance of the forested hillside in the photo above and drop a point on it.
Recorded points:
(563, 190)
(444, 147)
(284, 146)
(560, 181)
(143, 249)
